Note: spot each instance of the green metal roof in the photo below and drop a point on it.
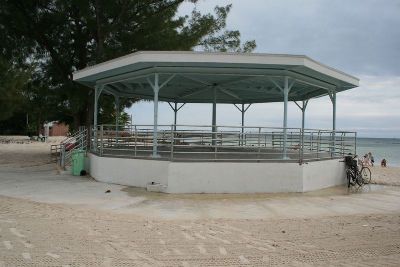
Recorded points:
(237, 77)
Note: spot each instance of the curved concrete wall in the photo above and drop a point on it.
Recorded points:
(133, 172)
(219, 177)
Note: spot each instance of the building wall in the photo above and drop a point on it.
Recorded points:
(218, 177)
(59, 129)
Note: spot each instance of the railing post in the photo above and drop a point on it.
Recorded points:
(62, 156)
(265, 142)
(342, 137)
(172, 142)
(355, 143)
(101, 140)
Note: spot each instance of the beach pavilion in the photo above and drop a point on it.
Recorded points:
(216, 158)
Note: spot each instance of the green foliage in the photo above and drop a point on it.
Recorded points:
(58, 37)
(12, 81)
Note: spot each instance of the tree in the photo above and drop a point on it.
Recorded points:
(12, 81)
(62, 36)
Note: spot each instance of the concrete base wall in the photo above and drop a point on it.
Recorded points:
(133, 172)
(219, 177)
(322, 174)
(214, 177)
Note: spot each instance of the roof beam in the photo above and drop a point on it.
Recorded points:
(195, 79)
(228, 92)
(194, 92)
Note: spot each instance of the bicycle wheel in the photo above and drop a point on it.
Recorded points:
(350, 178)
(359, 179)
(366, 174)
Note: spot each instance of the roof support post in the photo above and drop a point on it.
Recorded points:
(286, 90)
(242, 110)
(175, 109)
(333, 110)
(303, 110)
(97, 92)
(117, 113)
(332, 96)
(175, 114)
(156, 89)
(303, 115)
(214, 117)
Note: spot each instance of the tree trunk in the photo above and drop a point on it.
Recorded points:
(100, 34)
(77, 121)
(39, 124)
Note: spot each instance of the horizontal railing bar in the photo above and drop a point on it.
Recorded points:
(223, 126)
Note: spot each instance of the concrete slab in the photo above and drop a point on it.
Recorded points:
(43, 184)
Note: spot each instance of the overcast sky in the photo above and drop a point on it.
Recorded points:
(361, 38)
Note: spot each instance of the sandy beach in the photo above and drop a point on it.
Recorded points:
(52, 219)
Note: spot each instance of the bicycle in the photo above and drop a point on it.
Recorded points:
(354, 175)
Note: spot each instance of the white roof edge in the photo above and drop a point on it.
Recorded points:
(318, 66)
(214, 57)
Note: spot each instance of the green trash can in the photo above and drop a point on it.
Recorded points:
(77, 161)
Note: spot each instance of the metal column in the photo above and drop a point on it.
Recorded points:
(175, 114)
(97, 92)
(117, 113)
(333, 99)
(285, 106)
(214, 118)
(303, 114)
(156, 89)
(334, 110)
(242, 110)
(175, 109)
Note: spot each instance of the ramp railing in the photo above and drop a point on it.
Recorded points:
(62, 153)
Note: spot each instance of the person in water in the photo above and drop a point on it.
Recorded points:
(371, 159)
(383, 163)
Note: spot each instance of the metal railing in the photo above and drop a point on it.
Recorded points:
(62, 153)
(226, 143)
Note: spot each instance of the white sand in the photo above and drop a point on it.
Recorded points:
(386, 176)
(48, 219)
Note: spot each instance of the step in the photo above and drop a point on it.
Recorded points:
(156, 187)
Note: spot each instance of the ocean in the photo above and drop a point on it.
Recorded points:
(387, 148)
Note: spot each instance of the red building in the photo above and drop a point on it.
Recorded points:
(56, 129)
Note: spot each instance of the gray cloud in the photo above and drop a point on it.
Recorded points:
(358, 36)
(361, 37)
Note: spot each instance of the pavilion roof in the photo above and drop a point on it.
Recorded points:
(192, 77)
